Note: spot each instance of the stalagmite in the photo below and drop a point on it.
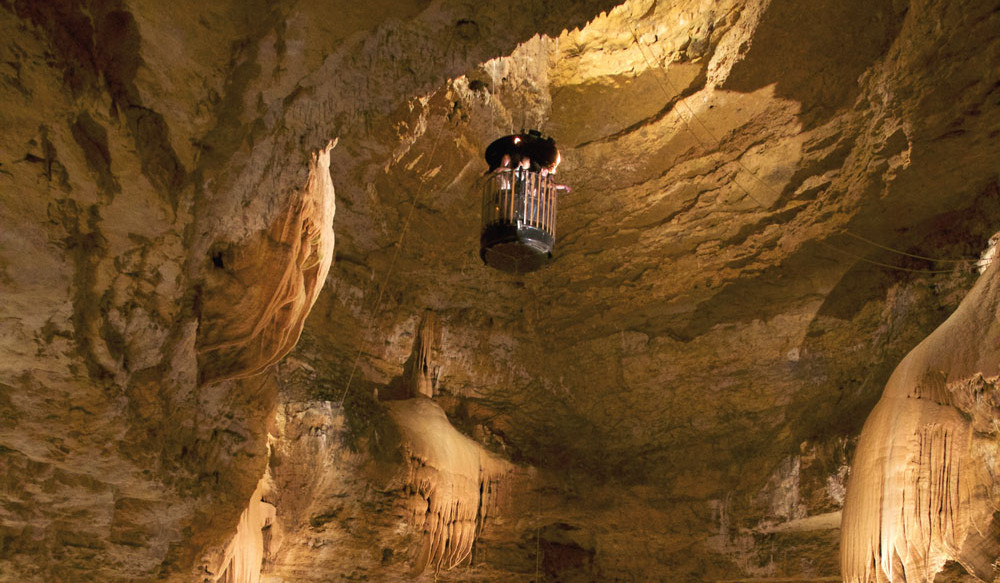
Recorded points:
(921, 491)
(419, 372)
(442, 485)
(452, 484)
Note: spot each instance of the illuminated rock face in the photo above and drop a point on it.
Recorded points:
(741, 265)
(436, 491)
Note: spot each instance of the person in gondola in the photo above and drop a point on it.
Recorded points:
(519, 202)
(528, 151)
(503, 153)
(541, 152)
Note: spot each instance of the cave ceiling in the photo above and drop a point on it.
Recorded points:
(772, 202)
(729, 173)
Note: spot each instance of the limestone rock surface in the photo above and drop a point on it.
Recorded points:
(772, 204)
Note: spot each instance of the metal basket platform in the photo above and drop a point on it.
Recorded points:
(519, 219)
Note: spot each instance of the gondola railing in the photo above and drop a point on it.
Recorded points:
(519, 202)
(520, 198)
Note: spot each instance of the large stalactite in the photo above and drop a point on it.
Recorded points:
(258, 296)
(923, 483)
(244, 555)
(452, 484)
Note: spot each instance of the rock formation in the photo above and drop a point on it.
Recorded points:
(922, 490)
(244, 555)
(773, 203)
(271, 281)
(432, 481)
(452, 484)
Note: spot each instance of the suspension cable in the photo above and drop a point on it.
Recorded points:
(395, 255)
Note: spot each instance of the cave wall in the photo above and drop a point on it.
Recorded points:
(758, 187)
(166, 226)
(748, 252)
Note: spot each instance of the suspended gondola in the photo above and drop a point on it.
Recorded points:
(519, 195)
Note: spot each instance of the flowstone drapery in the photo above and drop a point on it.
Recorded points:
(452, 484)
(921, 491)
(271, 281)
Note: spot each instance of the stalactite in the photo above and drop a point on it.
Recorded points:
(420, 372)
(244, 555)
(921, 486)
(258, 294)
(452, 485)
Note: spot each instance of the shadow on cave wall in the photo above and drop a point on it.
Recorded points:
(793, 48)
(870, 319)
(957, 234)
(874, 316)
